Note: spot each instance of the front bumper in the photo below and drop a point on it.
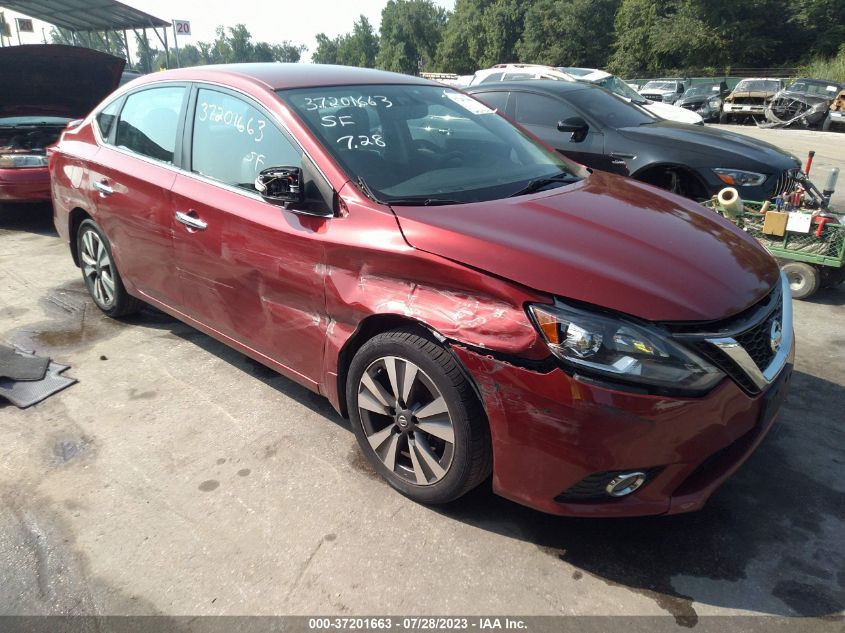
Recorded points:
(555, 435)
(25, 185)
(744, 108)
(551, 431)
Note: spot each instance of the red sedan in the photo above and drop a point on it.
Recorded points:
(472, 301)
(44, 88)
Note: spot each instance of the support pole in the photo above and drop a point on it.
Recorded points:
(176, 45)
(126, 46)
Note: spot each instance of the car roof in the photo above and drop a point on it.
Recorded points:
(549, 86)
(280, 76)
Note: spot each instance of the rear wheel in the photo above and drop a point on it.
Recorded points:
(100, 272)
(803, 279)
(416, 417)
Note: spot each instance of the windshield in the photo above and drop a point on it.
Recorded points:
(821, 89)
(702, 91)
(422, 142)
(757, 85)
(610, 110)
(614, 84)
(660, 85)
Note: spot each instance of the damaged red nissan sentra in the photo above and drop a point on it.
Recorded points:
(472, 301)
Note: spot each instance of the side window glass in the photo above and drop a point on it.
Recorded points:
(233, 140)
(106, 119)
(496, 100)
(534, 109)
(149, 120)
(491, 77)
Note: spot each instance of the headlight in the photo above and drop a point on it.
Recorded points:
(12, 161)
(621, 350)
(737, 177)
(715, 102)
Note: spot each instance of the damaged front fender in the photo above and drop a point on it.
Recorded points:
(790, 108)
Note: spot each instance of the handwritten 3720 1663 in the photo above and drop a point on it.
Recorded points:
(372, 101)
(253, 126)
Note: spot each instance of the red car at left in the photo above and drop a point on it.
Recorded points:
(44, 87)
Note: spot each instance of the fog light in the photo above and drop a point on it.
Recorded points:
(625, 483)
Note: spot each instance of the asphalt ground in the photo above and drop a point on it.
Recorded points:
(178, 477)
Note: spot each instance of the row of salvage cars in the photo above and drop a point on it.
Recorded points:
(804, 103)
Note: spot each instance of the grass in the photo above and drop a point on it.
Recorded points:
(832, 68)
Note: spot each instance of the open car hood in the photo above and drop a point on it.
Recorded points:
(608, 241)
(57, 80)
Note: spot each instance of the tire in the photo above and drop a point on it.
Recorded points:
(826, 124)
(100, 272)
(432, 458)
(832, 277)
(724, 118)
(803, 279)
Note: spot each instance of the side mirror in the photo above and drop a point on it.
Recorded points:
(280, 185)
(573, 124)
(577, 126)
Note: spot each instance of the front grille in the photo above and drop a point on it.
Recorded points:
(751, 329)
(693, 106)
(593, 487)
(785, 183)
(652, 97)
(748, 101)
(757, 340)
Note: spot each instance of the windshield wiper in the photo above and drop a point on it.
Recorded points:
(539, 183)
(423, 202)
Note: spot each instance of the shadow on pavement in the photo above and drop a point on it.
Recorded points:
(769, 541)
(28, 218)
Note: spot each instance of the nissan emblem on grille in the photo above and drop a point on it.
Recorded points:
(775, 336)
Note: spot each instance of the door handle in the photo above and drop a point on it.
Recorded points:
(190, 221)
(103, 188)
(621, 155)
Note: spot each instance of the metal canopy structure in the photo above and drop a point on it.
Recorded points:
(86, 15)
(93, 16)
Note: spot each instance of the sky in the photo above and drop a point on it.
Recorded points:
(269, 20)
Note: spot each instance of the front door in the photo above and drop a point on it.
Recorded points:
(250, 270)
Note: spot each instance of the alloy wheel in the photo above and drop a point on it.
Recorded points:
(97, 268)
(406, 420)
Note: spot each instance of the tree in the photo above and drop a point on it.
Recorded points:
(326, 52)
(480, 33)
(359, 48)
(410, 33)
(568, 32)
(107, 42)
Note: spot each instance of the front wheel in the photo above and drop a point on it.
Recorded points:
(826, 124)
(417, 418)
(803, 279)
(100, 272)
(724, 118)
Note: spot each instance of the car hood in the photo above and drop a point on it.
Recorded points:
(805, 97)
(712, 142)
(607, 241)
(754, 94)
(672, 113)
(53, 79)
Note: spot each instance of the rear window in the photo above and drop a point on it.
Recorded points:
(149, 120)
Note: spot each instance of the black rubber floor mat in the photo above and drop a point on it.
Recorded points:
(26, 393)
(16, 365)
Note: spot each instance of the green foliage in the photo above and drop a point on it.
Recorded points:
(568, 32)
(480, 33)
(231, 45)
(359, 48)
(107, 42)
(831, 68)
(410, 32)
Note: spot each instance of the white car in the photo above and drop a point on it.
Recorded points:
(516, 72)
(614, 84)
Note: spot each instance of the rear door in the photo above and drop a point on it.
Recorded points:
(247, 269)
(132, 175)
